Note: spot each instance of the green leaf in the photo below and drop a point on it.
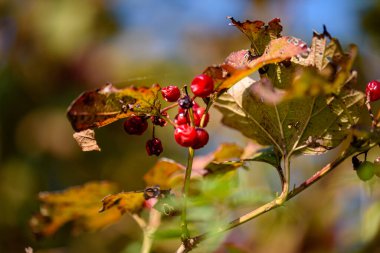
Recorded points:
(306, 124)
(79, 205)
(100, 107)
(267, 155)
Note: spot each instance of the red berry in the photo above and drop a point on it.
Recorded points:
(135, 125)
(373, 91)
(202, 86)
(198, 114)
(171, 93)
(185, 135)
(181, 118)
(154, 147)
(158, 121)
(201, 139)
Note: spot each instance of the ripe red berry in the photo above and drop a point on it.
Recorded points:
(202, 138)
(171, 93)
(185, 135)
(198, 114)
(202, 85)
(158, 121)
(181, 119)
(135, 125)
(154, 147)
(373, 91)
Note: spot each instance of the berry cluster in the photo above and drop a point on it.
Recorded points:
(189, 122)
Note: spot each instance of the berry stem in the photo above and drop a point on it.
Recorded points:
(170, 121)
(209, 104)
(167, 108)
(185, 191)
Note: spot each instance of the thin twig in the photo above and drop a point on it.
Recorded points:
(185, 191)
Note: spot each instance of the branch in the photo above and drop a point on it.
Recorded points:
(285, 196)
(190, 244)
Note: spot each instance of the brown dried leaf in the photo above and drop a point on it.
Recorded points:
(78, 204)
(86, 140)
(100, 107)
(131, 202)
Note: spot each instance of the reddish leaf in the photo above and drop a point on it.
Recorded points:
(239, 64)
(103, 106)
(79, 204)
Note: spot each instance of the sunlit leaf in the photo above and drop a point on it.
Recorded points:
(86, 140)
(166, 173)
(100, 107)
(79, 205)
(258, 33)
(131, 202)
(308, 124)
(241, 64)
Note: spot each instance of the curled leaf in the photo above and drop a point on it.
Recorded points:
(86, 140)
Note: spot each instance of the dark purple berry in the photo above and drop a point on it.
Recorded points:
(154, 147)
(158, 121)
(185, 102)
(135, 125)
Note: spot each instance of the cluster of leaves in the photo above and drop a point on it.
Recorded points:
(302, 103)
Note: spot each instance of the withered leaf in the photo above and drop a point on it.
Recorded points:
(86, 140)
(78, 204)
(100, 107)
(258, 33)
(131, 202)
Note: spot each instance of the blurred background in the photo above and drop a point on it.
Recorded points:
(51, 51)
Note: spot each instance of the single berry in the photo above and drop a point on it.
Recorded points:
(201, 139)
(202, 85)
(158, 121)
(135, 125)
(373, 91)
(185, 135)
(365, 171)
(377, 167)
(185, 102)
(198, 114)
(181, 119)
(154, 147)
(171, 93)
